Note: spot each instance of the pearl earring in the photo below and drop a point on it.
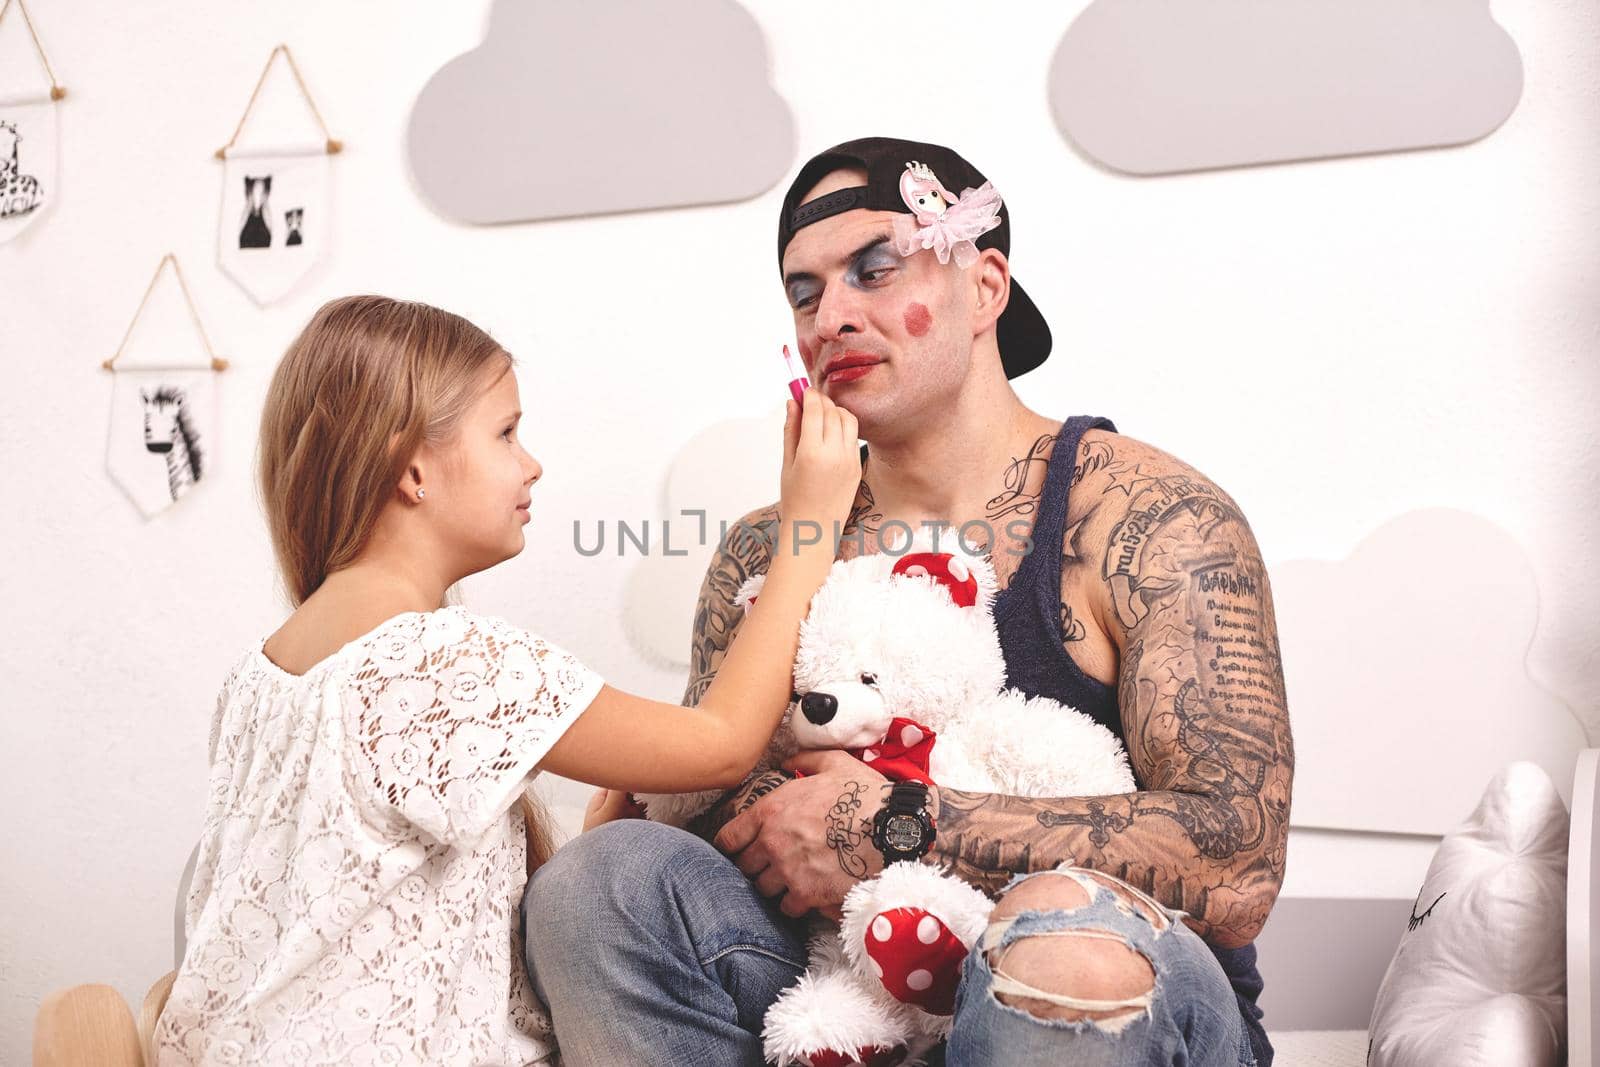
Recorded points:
(419, 494)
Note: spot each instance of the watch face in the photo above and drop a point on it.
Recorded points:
(903, 833)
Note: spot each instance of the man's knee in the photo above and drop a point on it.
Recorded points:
(1070, 888)
(1083, 974)
(622, 865)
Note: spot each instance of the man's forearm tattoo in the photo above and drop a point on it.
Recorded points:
(1204, 716)
(757, 787)
(845, 831)
(745, 551)
(736, 802)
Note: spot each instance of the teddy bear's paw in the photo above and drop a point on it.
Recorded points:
(916, 957)
(956, 912)
(832, 1016)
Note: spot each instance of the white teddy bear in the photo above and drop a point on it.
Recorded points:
(899, 663)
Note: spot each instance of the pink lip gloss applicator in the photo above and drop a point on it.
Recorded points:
(799, 380)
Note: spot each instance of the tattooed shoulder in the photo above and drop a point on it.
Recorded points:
(1096, 452)
(1167, 565)
(1157, 522)
(1115, 468)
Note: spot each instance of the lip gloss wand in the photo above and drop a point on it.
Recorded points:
(799, 380)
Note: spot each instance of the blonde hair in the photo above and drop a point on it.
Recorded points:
(368, 382)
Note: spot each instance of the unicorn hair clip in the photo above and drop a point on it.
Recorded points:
(950, 225)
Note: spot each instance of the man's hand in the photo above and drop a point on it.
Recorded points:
(810, 840)
(607, 805)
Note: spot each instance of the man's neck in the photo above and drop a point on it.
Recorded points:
(951, 469)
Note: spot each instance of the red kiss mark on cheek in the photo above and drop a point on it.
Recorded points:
(918, 319)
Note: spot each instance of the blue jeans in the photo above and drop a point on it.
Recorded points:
(649, 947)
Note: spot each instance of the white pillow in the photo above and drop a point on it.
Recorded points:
(1479, 979)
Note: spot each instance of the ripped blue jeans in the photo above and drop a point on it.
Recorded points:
(650, 948)
(1189, 1017)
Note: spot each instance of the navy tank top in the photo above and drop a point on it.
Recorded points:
(1028, 613)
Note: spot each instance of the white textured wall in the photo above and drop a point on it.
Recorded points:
(1334, 342)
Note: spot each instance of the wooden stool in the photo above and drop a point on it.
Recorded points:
(91, 1026)
(84, 1025)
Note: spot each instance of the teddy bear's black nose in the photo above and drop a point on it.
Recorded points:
(819, 707)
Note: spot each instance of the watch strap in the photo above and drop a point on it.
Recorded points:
(907, 798)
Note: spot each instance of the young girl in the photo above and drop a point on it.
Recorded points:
(356, 895)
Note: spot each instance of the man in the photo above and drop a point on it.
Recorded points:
(1132, 589)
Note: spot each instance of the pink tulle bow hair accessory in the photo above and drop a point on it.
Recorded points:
(950, 225)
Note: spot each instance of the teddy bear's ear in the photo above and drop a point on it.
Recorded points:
(947, 570)
(897, 539)
(747, 593)
(972, 572)
(978, 564)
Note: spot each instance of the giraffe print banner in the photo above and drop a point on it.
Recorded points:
(162, 434)
(274, 217)
(27, 161)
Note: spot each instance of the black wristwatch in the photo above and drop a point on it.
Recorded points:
(903, 829)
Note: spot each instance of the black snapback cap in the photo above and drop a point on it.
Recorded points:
(1022, 334)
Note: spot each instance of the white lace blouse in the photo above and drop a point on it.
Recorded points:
(356, 896)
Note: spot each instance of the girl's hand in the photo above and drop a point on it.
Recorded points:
(608, 805)
(821, 461)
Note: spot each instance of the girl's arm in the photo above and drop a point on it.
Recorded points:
(622, 741)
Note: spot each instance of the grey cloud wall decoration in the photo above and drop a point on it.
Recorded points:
(1409, 690)
(1157, 87)
(582, 108)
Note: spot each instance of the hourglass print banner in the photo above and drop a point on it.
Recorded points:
(276, 199)
(28, 153)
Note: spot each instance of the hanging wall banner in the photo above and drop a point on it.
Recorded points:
(161, 434)
(274, 217)
(161, 441)
(27, 162)
(28, 155)
(275, 202)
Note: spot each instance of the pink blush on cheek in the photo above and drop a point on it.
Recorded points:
(805, 351)
(918, 319)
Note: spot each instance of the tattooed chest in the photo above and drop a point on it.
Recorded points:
(1007, 560)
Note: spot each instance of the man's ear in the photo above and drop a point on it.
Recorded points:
(991, 276)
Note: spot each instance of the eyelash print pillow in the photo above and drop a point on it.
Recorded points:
(1479, 979)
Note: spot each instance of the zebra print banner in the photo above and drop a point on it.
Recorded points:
(162, 435)
(161, 440)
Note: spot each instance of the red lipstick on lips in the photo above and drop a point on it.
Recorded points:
(849, 367)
